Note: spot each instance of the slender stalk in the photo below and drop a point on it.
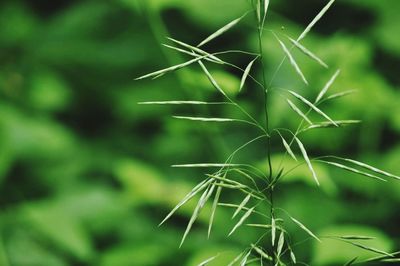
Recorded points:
(265, 91)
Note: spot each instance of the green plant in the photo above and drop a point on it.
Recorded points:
(259, 185)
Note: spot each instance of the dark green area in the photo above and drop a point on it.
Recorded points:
(84, 169)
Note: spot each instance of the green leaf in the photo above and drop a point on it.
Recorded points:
(203, 199)
(261, 252)
(273, 231)
(302, 226)
(207, 261)
(241, 205)
(298, 111)
(291, 59)
(292, 256)
(315, 20)
(327, 86)
(281, 242)
(329, 124)
(170, 69)
(201, 165)
(181, 102)
(308, 52)
(316, 109)
(307, 159)
(221, 31)
(369, 167)
(246, 73)
(287, 147)
(202, 185)
(198, 50)
(351, 262)
(344, 167)
(211, 78)
(244, 217)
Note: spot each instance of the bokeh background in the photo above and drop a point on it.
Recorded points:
(85, 173)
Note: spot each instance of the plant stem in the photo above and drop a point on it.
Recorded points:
(265, 91)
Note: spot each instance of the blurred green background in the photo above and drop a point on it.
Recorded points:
(85, 173)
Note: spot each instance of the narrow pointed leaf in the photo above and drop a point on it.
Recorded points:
(210, 77)
(265, 10)
(370, 248)
(302, 226)
(298, 111)
(288, 149)
(340, 94)
(307, 159)
(170, 69)
(315, 20)
(241, 205)
(203, 199)
(246, 73)
(202, 165)
(205, 119)
(273, 231)
(327, 86)
(261, 252)
(221, 31)
(181, 102)
(371, 168)
(292, 257)
(236, 259)
(316, 109)
(281, 241)
(197, 50)
(328, 124)
(308, 52)
(189, 196)
(354, 237)
(344, 167)
(207, 261)
(244, 260)
(244, 217)
(350, 262)
(191, 53)
(291, 59)
(213, 210)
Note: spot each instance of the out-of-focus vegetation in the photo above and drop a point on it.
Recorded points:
(84, 170)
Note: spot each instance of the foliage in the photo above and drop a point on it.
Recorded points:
(84, 173)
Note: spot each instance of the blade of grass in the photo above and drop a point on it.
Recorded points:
(371, 168)
(203, 199)
(273, 231)
(221, 31)
(327, 86)
(189, 196)
(246, 73)
(207, 260)
(291, 60)
(182, 102)
(328, 124)
(170, 69)
(316, 109)
(281, 242)
(287, 147)
(338, 95)
(241, 205)
(298, 111)
(201, 165)
(350, 169)
(196, 49)
(307, 52)
(261, 252)
(307, 159)
(244, 217)
(210, 77)
(302, 226)
(244, 260)
(315, 20)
